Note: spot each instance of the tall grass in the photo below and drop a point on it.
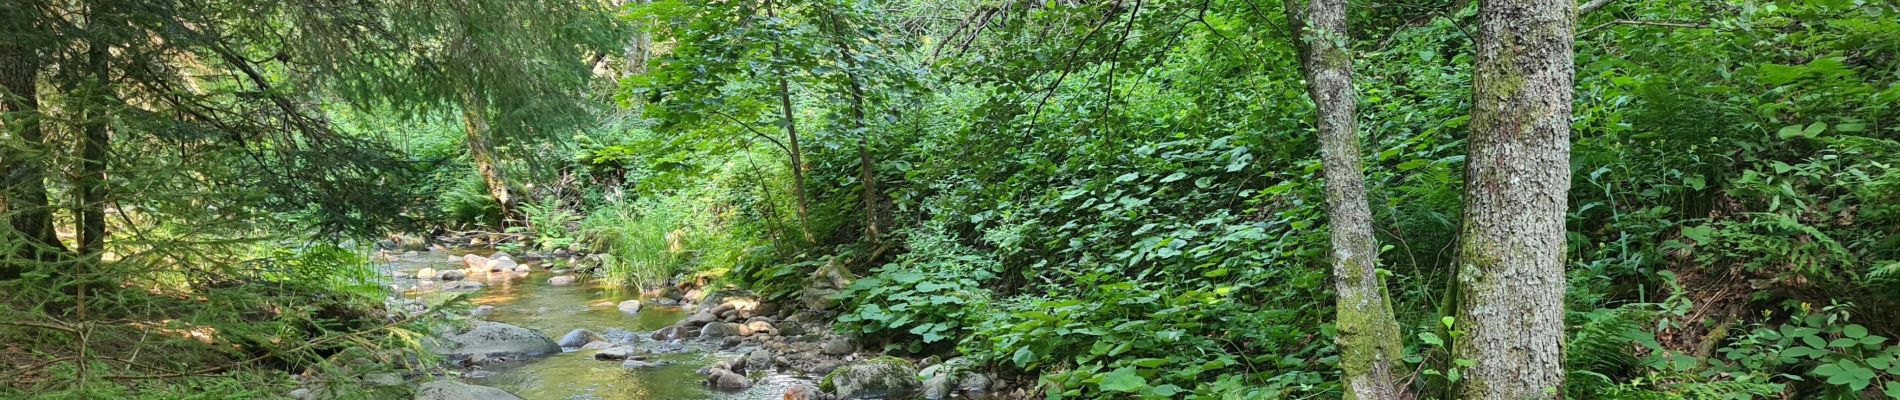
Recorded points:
(635, 235)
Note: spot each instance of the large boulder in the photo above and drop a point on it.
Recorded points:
(630, 307)
(578, 338)
(452, 390)
(878, 378)
(495, 339)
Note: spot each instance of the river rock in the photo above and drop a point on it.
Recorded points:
(838, 346)
(598, 345)
(425, 274)
(728, 380)
(805, 392)
(759, 360)
(301, 394)
(578, 338)
(722, 329)
(698, 318)
(383, 379)
(974, 385)
(481, 311)
(878, 378)
(495, 339)
(502, 264)
(451, 275)
(760, 327)
(938, 388)
(474, 262)
(452, 390)
(630, 307)
(614, 354)
(562, 280)
(641, 364)
(666, 333)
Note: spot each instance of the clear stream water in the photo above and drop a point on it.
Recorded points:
(529, 301)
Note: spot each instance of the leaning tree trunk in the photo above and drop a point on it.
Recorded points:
(481, 149)
(1517, 180)
(1368, 339)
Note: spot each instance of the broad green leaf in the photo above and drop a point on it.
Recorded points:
(1124, 380)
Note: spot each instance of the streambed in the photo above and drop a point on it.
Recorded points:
(529, 300)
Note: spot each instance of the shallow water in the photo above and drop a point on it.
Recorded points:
(529, 301)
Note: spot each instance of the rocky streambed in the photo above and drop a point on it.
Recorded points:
(543, 328)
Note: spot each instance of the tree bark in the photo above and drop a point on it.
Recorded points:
(1368, 340)
(867, 171)
(481, 149)
(90, 184)
(23, 198)
(791, 133)
(1517, 181)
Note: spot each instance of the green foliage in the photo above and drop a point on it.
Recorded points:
(930, 296)
(466, 201)
(1823, 352)
(548, 226)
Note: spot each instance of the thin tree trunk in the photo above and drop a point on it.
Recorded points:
(1368, 338)
(791, 133)
(1517, 181)
(798, 160)
(23, 199)
(90, 184)
(867, 174)
(481, 149)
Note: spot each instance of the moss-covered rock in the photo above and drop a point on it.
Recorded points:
(878, 378)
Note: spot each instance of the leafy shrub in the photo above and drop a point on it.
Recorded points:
(931, 295)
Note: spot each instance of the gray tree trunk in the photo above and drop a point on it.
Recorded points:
(1368, 339)
(1517, 181)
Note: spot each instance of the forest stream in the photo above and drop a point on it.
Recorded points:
(529, 300)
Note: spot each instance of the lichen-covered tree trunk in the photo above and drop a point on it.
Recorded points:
(481, 150)
(1517, 181)
(1369, 341)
